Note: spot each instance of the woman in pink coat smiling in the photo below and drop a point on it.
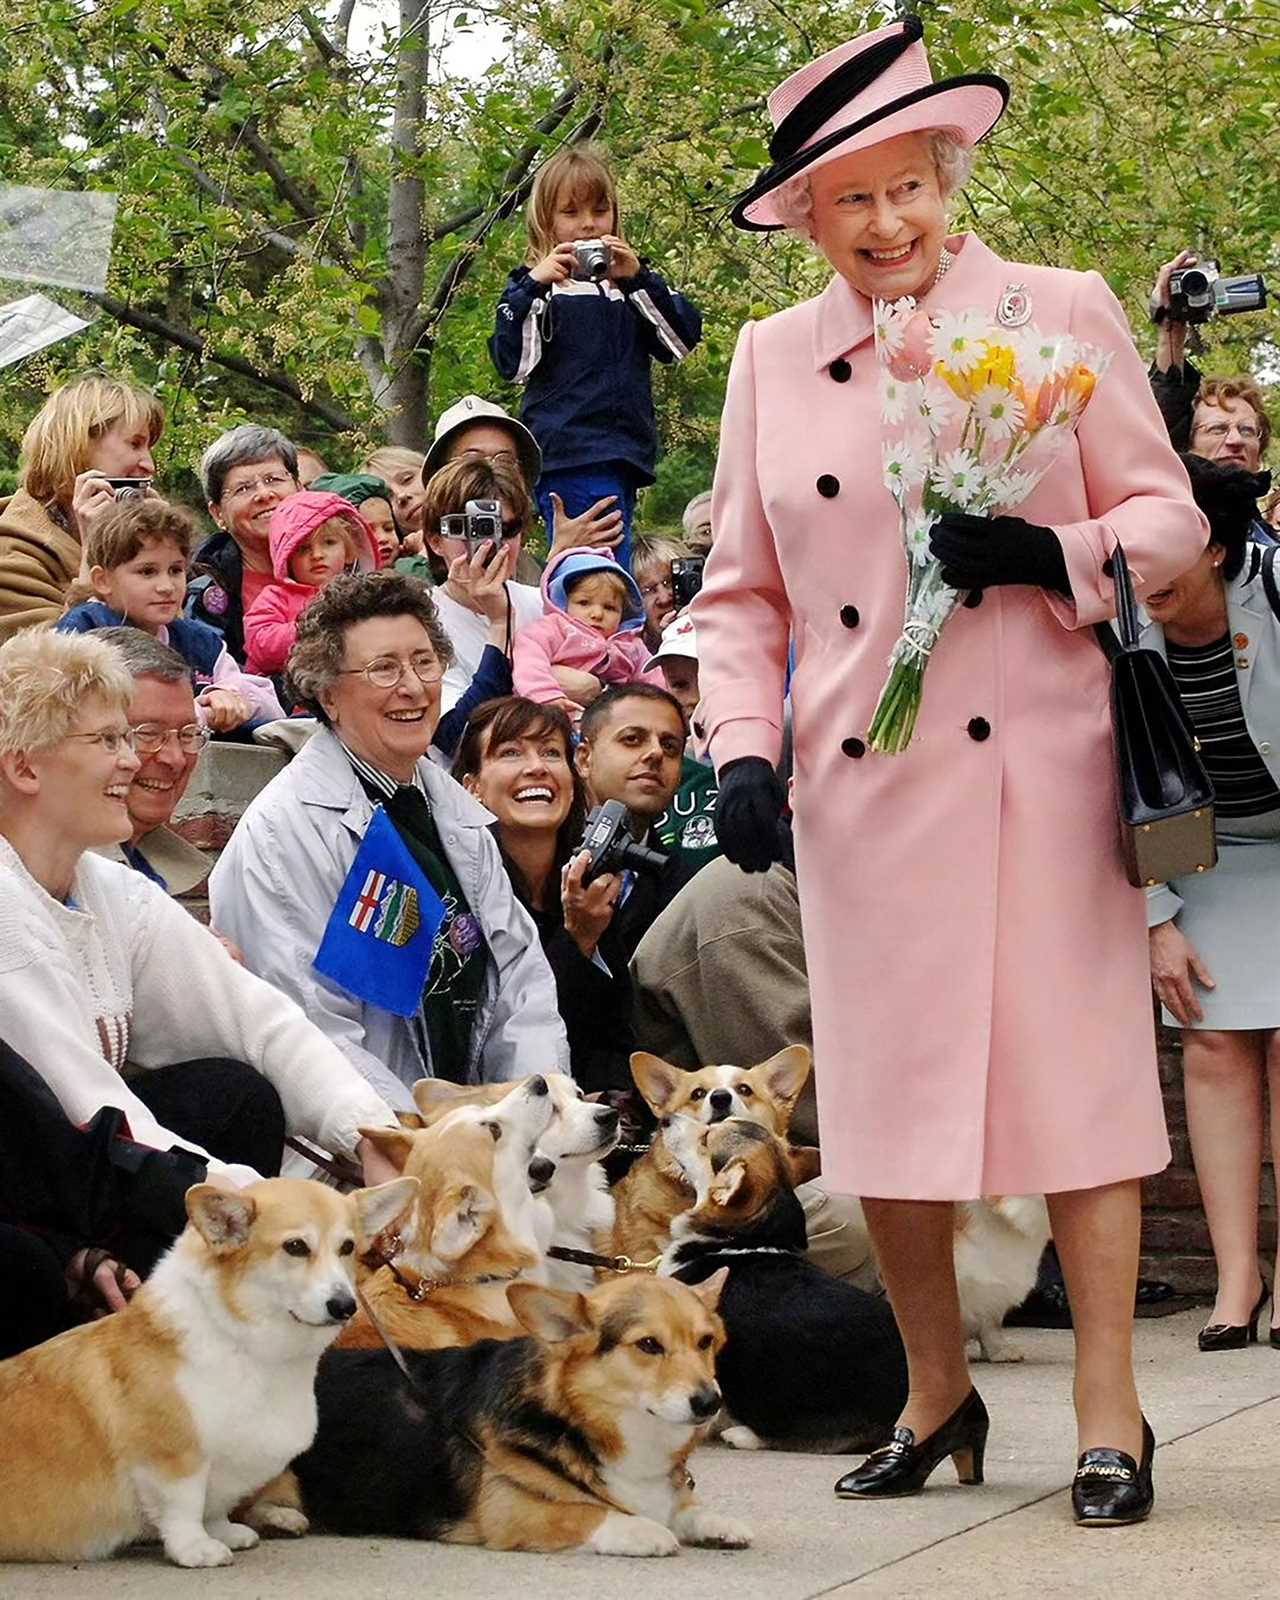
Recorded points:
(978, 962)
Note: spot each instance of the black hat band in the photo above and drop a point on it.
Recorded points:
(838, 88)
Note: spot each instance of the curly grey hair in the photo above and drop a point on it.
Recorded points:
(952, 160)
(319, 652)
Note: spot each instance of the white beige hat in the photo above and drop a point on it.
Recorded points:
(678, 639)
(474, 408)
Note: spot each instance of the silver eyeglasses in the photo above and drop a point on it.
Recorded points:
(149, 738)
(112, 740)
(385, 672)
(1219, 430)
(243, 491)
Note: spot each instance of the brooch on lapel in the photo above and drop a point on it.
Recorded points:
(1014, 309)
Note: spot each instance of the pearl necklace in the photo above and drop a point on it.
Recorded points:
(945, 261)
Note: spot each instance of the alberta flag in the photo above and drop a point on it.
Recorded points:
(378, 943)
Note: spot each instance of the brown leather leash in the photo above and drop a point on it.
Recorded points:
(589, 1258)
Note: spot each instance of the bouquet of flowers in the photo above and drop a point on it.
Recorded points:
(973, 416)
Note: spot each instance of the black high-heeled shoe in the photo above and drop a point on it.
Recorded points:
(1110, 1489)
(1233, 1336)
(902, 1466)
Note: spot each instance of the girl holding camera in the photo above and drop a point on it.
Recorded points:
(578, 325)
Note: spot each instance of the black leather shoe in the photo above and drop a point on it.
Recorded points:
(902, 1466)
(1110, 1489)
(1275, 1338)
(1229, 1335)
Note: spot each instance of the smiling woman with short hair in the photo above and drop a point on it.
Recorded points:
(369, 660)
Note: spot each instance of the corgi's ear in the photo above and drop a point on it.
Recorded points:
(434, 1096)
(657, 1080)
(222, 1217)
(394, 1143)
(410, 1121)
(549, 1314)
(727, 1183)
(710, 1289)
(786, 1074)
(378, 1208)
(461, 1219)
(805, 1162)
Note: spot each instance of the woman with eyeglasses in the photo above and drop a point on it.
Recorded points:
(369, 662)
(111, 991)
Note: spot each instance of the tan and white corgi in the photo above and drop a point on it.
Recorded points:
(576, 1438)
(655, 1190)
(999, 1242)
(579, 1135)
(158, 1420)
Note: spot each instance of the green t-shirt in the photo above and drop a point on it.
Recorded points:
(687, 828)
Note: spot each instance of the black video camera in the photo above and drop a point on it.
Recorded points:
(607, 840)
(686, 579)
(1200, 292)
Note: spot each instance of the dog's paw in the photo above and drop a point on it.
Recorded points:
(283, 1520)
(620, 1535)
(998, 1349)
(711, 1530)
(235, 1535)
(739, 1437)
(197, 1550)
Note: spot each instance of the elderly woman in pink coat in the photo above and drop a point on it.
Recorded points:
(978, 962)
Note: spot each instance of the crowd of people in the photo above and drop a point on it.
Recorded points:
(959, 901)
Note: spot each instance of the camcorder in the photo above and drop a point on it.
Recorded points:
(607, 839)
(479, 523)
(130, 488)
(1198, 293)
(686, 579)
(592, 257)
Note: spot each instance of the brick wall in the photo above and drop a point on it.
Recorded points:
(1175, 1239)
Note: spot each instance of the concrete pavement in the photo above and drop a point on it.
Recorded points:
(1214, 1533)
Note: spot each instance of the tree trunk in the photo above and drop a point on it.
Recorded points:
(401, 295)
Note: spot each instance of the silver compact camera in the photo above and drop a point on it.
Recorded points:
(480, 523)
(592, 257)
(130, 488)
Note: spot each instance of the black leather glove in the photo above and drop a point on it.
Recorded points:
(748, 810)
(980, 552)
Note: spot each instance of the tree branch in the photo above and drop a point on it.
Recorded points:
(157, 328)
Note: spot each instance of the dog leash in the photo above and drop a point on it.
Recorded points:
(341, 1170)
(589, 1258)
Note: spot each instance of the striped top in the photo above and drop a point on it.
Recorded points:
(1206, 678)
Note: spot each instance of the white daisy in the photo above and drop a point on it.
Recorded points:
(905, 469)
(893, 398)
(1043, 355)
(957, 477)
(999, 412)
(890, 321)
(938, 406)
(960, 339)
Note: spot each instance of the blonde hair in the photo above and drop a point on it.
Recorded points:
(352, 535)
(55, 447)
(392, 458)
(122, 531)
(649, 551)
(582, 170)
(470, 479)
(616, 582)
(952, 161)
(45, 679)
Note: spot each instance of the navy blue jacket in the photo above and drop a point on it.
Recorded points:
(213, 594)
(197, 644)
(583, 350)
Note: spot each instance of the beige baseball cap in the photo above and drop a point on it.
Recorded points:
(474, 408)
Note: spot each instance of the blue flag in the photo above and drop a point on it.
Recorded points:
(382, 933)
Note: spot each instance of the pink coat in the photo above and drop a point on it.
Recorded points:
(271, 621)
(978, 964)
(559, 640)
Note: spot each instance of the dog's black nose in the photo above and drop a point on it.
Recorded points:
(705, 1402)
(721, 1103)
(607, 1117)
(541, 1171)
(340, 1307)
(538, 1084)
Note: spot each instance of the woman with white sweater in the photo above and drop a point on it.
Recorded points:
(108, 988)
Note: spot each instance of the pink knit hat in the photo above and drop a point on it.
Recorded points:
(861, 93)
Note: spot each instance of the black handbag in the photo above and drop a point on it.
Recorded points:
(1164, 794)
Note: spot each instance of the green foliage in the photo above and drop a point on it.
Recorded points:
(259, 177)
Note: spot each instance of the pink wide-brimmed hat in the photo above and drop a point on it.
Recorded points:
(859, 94)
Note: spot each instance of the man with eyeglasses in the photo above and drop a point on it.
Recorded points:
(245, 473)
(167, 739)
(1223, 419)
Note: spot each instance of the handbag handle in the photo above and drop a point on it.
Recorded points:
(1126, 610)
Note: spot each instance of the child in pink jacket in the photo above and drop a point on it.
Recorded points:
(314, 537)
(594, 622)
